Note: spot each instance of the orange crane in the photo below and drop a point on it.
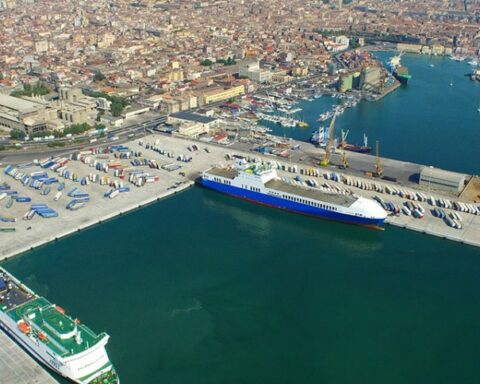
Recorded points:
(378, 165)
(328, 148)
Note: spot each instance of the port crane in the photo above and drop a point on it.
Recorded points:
(328, 148)
(378, 165)
(344, 160)
(344, 138)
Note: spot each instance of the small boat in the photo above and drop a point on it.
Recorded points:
(302, 124)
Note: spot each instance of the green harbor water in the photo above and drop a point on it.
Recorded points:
(204, 288)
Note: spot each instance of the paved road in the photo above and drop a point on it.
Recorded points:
(17, 367)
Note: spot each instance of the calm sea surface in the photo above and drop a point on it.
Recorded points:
(203, 288)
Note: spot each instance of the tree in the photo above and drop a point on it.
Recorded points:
(17, 134)
(230, 61)
(118, 103)
(116, 109)
(41, 134)
(1, 75)
(28, 90)
(206, 62)
(99, 76)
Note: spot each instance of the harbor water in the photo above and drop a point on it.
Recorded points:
(204, 288)
(426, 121)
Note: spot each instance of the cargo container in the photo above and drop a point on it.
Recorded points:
(8, 229)
(113, 194)
(23, 199)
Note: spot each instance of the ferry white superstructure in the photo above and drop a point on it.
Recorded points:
(259, 183)
(56, 340)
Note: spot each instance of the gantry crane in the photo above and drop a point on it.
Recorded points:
(378, 165)
(328, 148)
(344, 164)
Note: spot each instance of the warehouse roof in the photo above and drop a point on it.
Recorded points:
(192, 117)
(435, 173)
(17, 104)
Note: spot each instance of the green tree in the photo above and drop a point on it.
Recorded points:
(41, 134)
(1, 75)
(99, 76)
(17, 134)
(118, 103)
(28, 90)
(116, 109)
(206, 62)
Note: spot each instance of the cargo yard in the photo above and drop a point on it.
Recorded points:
(50, 198)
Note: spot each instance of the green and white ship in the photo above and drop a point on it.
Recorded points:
(55, 339)
(399, 71)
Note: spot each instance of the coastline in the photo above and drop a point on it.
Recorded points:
(141, 203)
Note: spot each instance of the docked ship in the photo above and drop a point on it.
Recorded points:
(356, 148)
(260, 184)
(55, 339)
(399, 71)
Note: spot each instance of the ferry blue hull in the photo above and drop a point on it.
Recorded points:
(288, 205)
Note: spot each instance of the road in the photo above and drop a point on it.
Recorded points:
(126, 133)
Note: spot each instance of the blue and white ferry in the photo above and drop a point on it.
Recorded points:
(260, 184)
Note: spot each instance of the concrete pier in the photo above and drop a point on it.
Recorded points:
(17, 367)
(36, 232)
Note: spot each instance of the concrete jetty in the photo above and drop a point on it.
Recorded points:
(17, 367)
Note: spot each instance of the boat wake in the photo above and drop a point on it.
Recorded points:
(195, 307)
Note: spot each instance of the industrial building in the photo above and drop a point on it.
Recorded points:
(251, 70)
(434, 178)
(370, 77)
(191, 124)
(74, 107)
(216, 93)
(32, 115)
